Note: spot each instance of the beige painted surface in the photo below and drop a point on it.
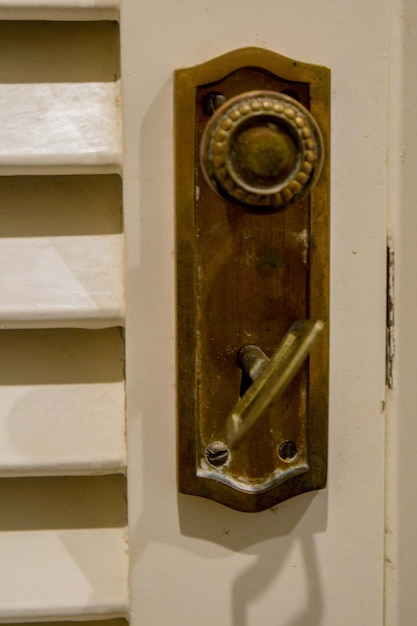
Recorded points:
(401, 549)
(316, 560)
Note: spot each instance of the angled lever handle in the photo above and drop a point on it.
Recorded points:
(271, 377)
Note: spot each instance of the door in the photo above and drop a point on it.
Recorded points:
(318, 559)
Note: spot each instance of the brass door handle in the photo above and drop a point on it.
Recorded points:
(271, 377)
(252, 133)
(262, 148)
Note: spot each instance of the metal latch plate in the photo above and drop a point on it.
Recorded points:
(244, 276)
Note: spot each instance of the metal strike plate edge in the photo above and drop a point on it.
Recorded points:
(286, 247)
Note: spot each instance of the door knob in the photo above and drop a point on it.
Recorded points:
(262, 148)
(270, 377)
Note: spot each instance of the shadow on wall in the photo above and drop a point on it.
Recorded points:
(276, 537)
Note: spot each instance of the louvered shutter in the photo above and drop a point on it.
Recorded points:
(63, 539)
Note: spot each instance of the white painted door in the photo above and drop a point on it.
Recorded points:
(316, 560)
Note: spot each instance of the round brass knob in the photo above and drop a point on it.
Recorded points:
(262, 148)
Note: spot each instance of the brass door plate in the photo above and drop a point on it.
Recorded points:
(244, 276)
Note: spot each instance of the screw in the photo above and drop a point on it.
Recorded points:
(288, 451)
(292, 93)
(212, 101)
(217, 453)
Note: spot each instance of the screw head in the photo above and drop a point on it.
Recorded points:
(288, 451)
(217, 453)
(212, 101)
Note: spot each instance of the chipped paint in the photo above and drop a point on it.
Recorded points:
(390, 354)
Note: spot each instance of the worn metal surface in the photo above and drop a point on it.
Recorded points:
(244, 276)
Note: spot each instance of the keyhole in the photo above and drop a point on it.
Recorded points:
(245, 383)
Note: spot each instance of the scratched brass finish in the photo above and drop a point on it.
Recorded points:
(245, 273)
(262, 148)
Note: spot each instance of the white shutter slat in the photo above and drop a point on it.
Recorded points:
(63, 574)
(71, 430)
(59, 128)
(104, 622)
(61, 281)
(62, 402)
(59, 9)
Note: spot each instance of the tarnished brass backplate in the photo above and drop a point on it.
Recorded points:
(244, 276)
